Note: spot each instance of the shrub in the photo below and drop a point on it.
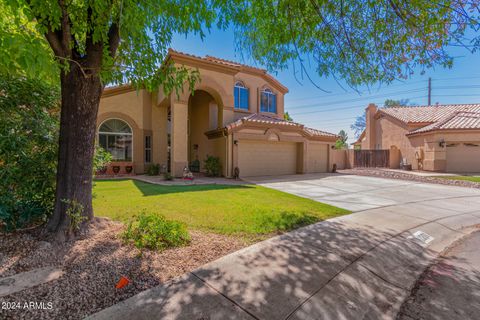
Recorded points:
(101, 159)
(168, 176)
(154, 231)
(213, 167)
(153, 169)
(29, 121)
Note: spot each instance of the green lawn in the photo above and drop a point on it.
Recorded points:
(466, 178)
(242, 209)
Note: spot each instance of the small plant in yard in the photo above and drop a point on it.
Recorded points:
(168, 176)
(153, 169)
(153, 231)
(213, 166)
(75, 213)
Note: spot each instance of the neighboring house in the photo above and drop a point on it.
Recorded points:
(442, 138)
(236, 114)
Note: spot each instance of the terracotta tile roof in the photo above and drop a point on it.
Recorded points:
(457, 120)
(266, 119)
(315, 132)
(231, 63)
(262, 118)
(428, 114)
(234, 65)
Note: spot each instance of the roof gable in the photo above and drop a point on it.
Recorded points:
(227, 65)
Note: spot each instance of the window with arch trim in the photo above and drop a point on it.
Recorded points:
(268, 101)
(115, 136)
(240, 93)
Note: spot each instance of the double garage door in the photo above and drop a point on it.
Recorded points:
(267, 158)
(463, 157)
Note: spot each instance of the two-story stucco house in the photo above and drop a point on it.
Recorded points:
(442, 138)
(236, 114)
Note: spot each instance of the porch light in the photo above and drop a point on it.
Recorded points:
(441, 143)
(235, 142)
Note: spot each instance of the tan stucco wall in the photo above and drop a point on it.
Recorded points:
(388, 133)
(338, 157)
(131, 108)
(440, 156)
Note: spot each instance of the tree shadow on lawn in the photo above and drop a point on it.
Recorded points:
(149, 189)
(287, 221)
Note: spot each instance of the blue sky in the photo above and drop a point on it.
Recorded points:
(337, 109)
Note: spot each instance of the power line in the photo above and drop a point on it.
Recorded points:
(384, 95)
(429, 91)
(344, 108)
(344, 93)
(392, 86)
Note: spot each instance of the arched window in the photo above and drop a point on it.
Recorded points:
(268, 101)
(240, 93)
(115, 136)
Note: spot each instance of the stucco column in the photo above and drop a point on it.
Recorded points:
(179, 143)
(159, 135)
(370, 138)
(302, 157)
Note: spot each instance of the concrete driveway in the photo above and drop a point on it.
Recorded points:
(358, 266)
(357, 193)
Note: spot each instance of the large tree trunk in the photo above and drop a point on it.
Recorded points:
(80, 100)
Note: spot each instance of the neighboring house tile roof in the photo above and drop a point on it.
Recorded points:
(427, 114)
(266, 119)
(456, 121)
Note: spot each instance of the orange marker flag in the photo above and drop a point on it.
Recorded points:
(122, 282)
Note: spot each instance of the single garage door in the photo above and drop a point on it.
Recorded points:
(266, 158)
(317, 157)
(463, 157)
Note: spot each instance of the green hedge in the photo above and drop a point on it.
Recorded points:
(29, 119)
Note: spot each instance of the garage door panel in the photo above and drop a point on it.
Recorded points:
(463, 158)
(317, 157)
(264, 158)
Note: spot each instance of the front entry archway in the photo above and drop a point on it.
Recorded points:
(205, 113)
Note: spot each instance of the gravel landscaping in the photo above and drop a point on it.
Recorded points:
(94, 264)
(381, 173)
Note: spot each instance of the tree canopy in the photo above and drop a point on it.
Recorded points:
(341, 143)
(361, 41)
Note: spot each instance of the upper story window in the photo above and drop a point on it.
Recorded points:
(268, 101)
(115, 136)
(240, 93)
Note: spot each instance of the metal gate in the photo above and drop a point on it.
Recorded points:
(371, 158)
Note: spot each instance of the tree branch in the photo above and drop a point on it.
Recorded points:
(54, 42)
(113, 39)
(65, 30)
